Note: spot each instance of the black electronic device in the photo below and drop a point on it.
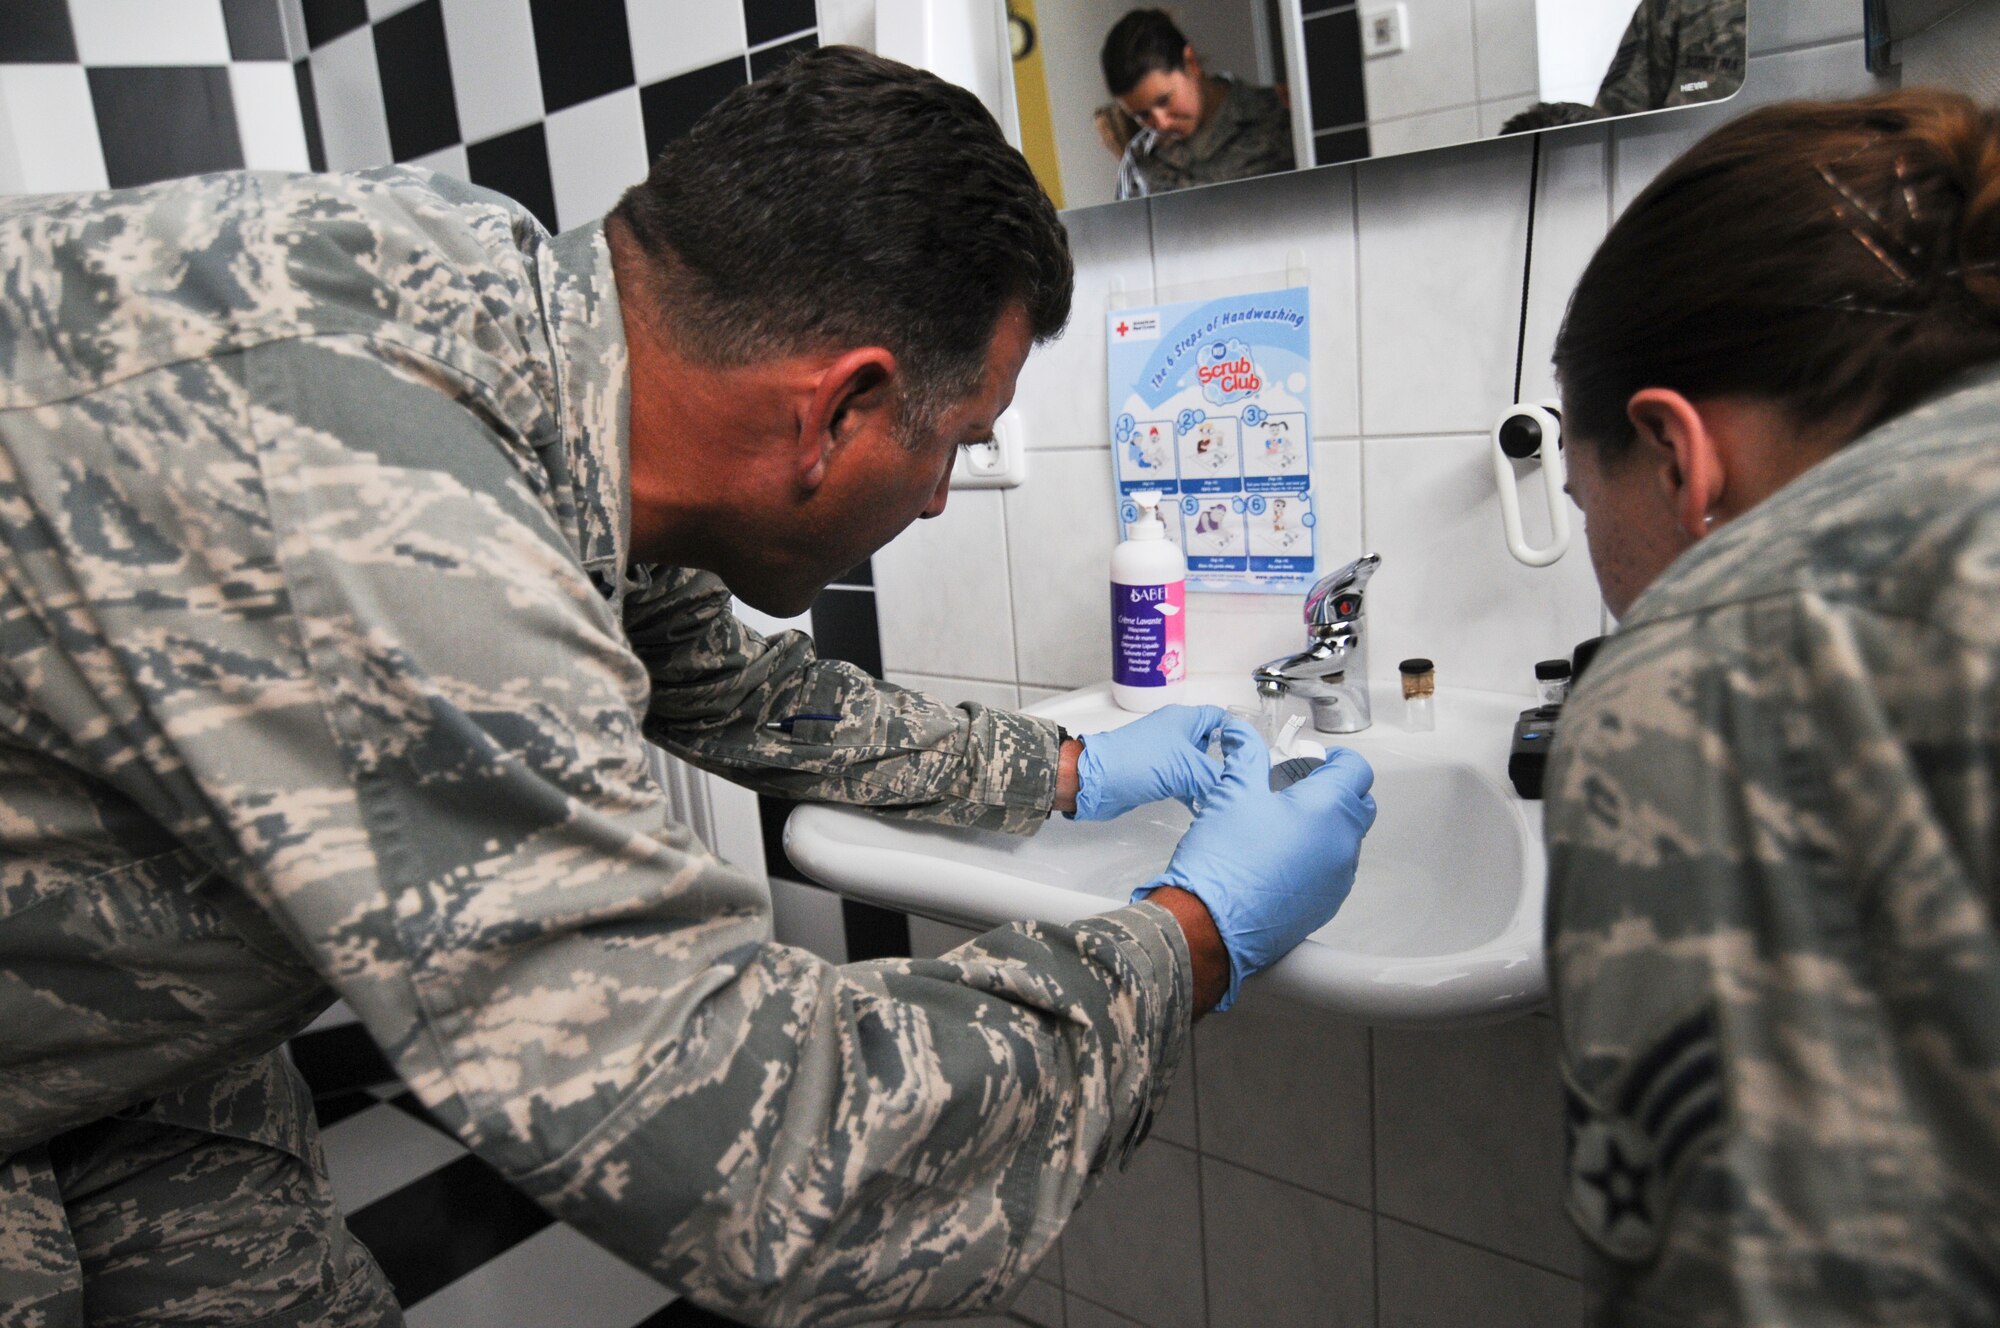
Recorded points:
(1535, 730)
(1528, 758)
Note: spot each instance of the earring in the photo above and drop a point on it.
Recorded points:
(1708, 520)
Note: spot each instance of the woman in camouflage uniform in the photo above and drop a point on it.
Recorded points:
(1774, 851)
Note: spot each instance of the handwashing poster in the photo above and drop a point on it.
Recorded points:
(1211, 405)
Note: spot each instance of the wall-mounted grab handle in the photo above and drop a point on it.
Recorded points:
(1531, 431)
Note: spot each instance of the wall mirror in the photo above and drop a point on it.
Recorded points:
(1292, 84)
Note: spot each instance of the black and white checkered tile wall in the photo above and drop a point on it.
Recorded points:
(111, 93)
(559, 103)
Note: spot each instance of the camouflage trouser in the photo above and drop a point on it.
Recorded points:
(132, 1222)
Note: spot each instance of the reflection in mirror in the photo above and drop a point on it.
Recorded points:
(1117, 101)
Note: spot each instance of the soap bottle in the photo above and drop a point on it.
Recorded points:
(1148, 613)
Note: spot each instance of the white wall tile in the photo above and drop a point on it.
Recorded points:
(1777, 25)
(764, 624)
(1448, 589)
(1572, 212)
(1061, 526)
(1033, 695)
(1420, 133)
(448, 161)
(380, 1150)
(955, 691)
(293, 15)
(50, 125)
(1236, 633)
(1062, 394)
(596, 151)
(266, 93)
(847, 23)
(674, 36)
(1283, 1089)
(1199, 236)
(337, 1015)
(495, 80)
(1428, 1281)
(1282, 1257)
(1442, 247)
(808, 917)
(1433, 71)
(1493, 115)
(149, 32)
(1469, 1137)
(1440, 256)
(1509, 61)
(547, 1278)
(347, 84)
(941, 591)
(1135, 1244)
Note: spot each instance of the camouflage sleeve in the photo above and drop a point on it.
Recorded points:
(721, 692)
(1768, 953)
(317, 619)
(1634, 81)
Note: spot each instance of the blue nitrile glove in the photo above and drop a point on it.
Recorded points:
(1161, 755)
(1272, 867)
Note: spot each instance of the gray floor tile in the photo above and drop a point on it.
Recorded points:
(1283, 1089)
(1430, 1281)
(1136, 1243)
(1282, 1257)
(1469, 1137)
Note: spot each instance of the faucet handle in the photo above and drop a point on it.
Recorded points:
(1336, 597)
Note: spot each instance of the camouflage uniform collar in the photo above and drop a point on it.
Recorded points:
(1849, 499)
(1236, 111)
(593, 394)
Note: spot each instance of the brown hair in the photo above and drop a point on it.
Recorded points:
(1841, 258)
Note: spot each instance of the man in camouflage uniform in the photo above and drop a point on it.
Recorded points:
(1774, 848)
(348, 524)
(1675, 53)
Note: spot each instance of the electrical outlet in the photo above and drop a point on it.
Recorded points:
(1000, 464)
(1385, 31)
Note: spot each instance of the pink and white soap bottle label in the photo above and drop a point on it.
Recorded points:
(1149, 633)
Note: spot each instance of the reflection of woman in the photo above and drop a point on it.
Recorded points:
(1774, 808)
(1195, 127)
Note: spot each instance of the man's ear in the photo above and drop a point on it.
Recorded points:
(853, 396)
(1676, 438)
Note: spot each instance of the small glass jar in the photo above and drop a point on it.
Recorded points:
(1419, 704)
(1552, 677)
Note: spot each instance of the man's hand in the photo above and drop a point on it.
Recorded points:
(1271, 868)
(1161, 755)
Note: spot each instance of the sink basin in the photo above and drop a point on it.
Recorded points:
(1444, 924)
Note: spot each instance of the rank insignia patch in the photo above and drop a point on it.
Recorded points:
(1629, 1143)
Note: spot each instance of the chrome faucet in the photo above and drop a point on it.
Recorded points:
(1331, 673)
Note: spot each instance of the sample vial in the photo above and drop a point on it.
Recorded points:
(1552, 681)
(1419, 682)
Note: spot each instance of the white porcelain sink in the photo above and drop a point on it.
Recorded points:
(1444, 924)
